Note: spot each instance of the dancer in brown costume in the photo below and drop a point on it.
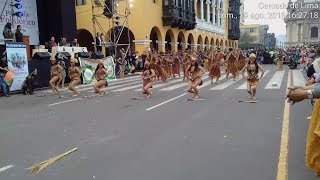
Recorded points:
(241, 60)
(186, 63)
(232, 64)
(153, 60)
(252, 68)
(122, 62)
(169, 65)
(157, 65)
(215, 68)
(194, 73)
(163, 72)
(176, 65)
(74, 73)
(280, 60)
(211, 54)
(56, 75)
(207, 59)
(101, 76)
(147, 76)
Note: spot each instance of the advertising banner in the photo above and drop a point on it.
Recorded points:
(17, 62)
(89, 67)
(29, 20)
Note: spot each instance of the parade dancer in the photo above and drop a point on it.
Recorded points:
(153, 59)
(252, 69)
(169, 65)
(101, 75)
(241, 60)
(62, 63)
(280, 63)
(186, 63)
(194, 74)
(56, 75)
(176, 65)
(157, 66)
(207, 59)
(231, 61)
(122, 63)
(215, 67)
(74, 73)
(147, 76)
(162, 68)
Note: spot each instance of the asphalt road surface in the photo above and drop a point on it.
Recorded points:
(163, 138)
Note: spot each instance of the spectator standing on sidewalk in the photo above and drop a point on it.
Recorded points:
(3, 71)
(297, 94)
(99, 42)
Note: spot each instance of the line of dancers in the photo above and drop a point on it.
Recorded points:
(74, 73)
(162, 66)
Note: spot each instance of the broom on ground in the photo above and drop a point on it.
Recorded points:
(44, 164)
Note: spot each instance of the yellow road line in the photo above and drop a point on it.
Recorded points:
(284, 147)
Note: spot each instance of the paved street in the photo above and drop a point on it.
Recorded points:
(163, 138)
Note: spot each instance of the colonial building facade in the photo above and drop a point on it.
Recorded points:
(234, 19)
(302, 22)
(242, 12)
(160, 24)
(253, 36)
(271, 41)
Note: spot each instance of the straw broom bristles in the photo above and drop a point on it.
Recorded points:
(44, 164)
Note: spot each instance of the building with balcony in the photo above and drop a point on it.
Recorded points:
(242, 12)
(157, 24)
(302, 23)
(253, 36)
(271, 41)
(234, 19)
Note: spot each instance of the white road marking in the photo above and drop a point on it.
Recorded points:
(224, 85)
(62, 102)
(162, 84)
(244, 85)
(177, 86)
(153, 107)
(298, 78)
(207, 83)
(116, 86)
(114, 81)
(6, 168)
(64, 89)
(276, 80)
(128, 88)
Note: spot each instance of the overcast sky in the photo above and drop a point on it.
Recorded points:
(257, 8)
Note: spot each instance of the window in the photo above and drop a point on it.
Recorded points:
(314, 32)
(80, 2)
(251, 30)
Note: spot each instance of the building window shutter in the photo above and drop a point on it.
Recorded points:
(314, 32)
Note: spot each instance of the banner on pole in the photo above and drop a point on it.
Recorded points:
(17, 62)
(89, 67)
